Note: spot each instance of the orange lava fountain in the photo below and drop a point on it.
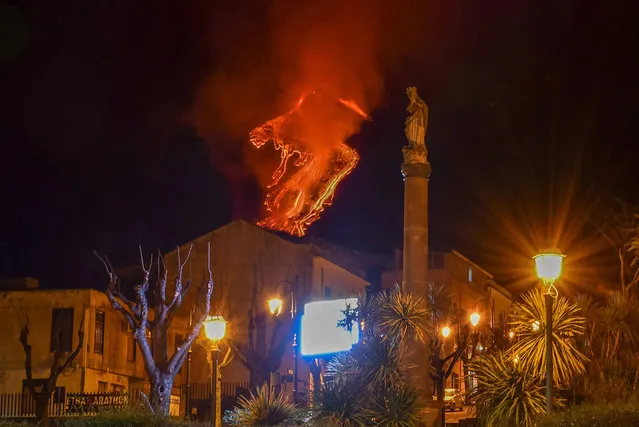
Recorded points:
(313, 159)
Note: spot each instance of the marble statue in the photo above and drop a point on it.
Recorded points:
(416, 123)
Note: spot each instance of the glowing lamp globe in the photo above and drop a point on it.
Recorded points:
(474, 319)
(215, 328)
(549, 265)
(275, 306)
(445, 331)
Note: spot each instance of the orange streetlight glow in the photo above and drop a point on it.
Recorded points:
(275, 306)
(474, 319)
(445, 331)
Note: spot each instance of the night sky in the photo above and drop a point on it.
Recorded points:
(125, 122)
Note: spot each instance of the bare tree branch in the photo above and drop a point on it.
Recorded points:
(200, 314)
(113, 286)
(180, 288)
(24, 334)
(77, 350)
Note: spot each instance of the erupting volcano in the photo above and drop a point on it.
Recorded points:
(314, 158)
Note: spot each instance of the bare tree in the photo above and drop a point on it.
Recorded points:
(61, 361)
(150, 324)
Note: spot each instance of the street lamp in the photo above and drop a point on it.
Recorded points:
(445, 331)
(275, 306)
(215, 329)
(474, 319)
(548, 265)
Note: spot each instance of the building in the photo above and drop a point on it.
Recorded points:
(469, 288)
(109, 360)
(250, 266)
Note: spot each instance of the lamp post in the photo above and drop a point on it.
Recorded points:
(215, 329)
(276, 306)
(548, 265)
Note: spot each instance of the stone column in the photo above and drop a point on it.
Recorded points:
(415, 262)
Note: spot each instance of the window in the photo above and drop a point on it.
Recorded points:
(98, 338)
(470, 274)
(61, 329)
(103, 387)
(117, 388)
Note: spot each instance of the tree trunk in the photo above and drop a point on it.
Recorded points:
(160, 396)
(258, 377)
(42, 409)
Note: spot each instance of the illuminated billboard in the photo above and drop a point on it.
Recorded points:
(320, 333)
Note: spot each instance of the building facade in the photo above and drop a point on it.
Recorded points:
(109, 360)
(250, 266)
(469, 289)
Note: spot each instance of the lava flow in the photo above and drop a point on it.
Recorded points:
(313, 158)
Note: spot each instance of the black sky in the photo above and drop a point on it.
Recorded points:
(533, 119)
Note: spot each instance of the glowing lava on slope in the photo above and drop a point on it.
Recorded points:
(313, 158)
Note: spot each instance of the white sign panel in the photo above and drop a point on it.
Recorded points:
(320, 333)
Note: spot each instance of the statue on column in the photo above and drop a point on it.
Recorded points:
(416, 123)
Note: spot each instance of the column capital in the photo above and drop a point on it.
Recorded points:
(416, 170)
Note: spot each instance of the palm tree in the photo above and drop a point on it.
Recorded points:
(506, 395)
(529, 323)
(369, 382)
(612, 342)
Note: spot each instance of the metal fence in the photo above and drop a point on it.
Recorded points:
(22, 405)
(229, 388)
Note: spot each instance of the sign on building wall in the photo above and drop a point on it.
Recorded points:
(94, 402)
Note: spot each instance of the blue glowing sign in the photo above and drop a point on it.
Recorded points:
(320, 333)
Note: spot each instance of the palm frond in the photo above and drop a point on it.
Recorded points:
(341, 401)
(375, 361)
(402, 316)
(438, 301)
(505, 394)
(395, 407)
(262, 409)
(529, 323)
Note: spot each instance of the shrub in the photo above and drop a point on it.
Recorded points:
(340, 401)
(506, 395)
(600, 415)
(262, 409)
(396, 408)
(128, 417)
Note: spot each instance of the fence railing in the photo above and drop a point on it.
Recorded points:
(22, 405)
(229, 388)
